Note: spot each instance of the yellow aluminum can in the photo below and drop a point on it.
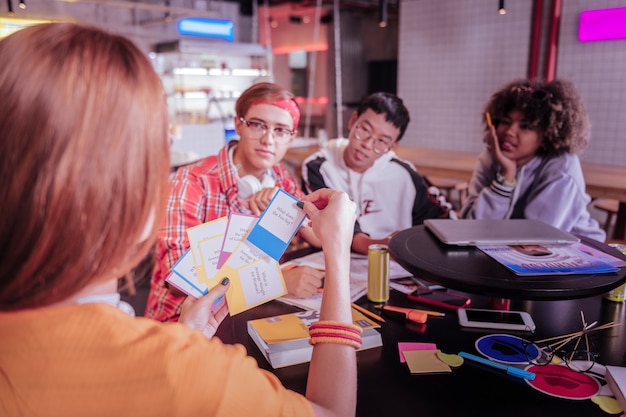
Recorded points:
(617, 294)
(378, 273)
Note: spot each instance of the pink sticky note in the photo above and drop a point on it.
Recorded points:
(408, 346)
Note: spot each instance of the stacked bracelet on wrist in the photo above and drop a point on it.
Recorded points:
(502, 181)
(335, 332)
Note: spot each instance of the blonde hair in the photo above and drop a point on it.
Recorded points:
(84, 160)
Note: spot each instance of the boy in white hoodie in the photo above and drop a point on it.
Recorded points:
(389, 193)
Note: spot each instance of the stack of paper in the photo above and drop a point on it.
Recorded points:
(284, 339)
(616, 379)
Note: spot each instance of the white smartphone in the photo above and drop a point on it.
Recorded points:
(496, 319)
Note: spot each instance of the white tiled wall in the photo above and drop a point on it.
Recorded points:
(453, 54)
(194, 141)
(599, 71)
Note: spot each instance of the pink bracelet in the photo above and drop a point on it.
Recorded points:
(335, 332)
(335, 326)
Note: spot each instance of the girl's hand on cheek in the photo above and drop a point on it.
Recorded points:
(507, 165)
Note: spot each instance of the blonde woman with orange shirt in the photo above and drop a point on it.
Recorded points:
(84, 158)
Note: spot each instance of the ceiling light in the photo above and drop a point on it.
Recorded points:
(382, 13)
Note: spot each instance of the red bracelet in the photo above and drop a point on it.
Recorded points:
(335, 332)
(335, 326)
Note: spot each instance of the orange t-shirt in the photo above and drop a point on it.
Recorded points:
(94, 360)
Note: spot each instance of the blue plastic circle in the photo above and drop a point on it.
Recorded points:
(506, 348)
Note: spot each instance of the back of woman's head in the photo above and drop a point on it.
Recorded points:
(83, 161)
(554, 108)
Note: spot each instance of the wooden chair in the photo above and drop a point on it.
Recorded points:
(462, 189)
(608, 206)
(446, 186)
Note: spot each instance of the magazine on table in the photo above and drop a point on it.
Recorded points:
(575, 258)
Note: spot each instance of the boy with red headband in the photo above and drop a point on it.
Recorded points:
(241, 178)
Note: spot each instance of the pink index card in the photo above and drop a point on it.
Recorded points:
(238, 227)
(409, 346)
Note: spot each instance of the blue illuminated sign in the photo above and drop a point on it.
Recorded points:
(207, 28)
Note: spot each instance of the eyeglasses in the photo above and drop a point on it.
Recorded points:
(259, 129)
(379, 145)
(577, 358)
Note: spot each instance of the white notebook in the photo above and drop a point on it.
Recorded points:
(489, 232)
(616, 378)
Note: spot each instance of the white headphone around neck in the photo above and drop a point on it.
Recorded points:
(249, 184)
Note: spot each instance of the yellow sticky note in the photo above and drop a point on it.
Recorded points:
(425, 361)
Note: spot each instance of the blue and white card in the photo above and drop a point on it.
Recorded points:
(184, 276)
(278, 225)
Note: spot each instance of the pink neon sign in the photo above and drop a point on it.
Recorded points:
(602, 25)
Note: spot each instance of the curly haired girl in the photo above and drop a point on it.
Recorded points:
(531, 167)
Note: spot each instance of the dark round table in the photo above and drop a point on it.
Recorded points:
(470, 270)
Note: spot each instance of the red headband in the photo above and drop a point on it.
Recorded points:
(288, 105)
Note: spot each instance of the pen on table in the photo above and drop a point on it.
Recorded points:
(368, 313)
(428, 312)
(410, 314)
(511, 370)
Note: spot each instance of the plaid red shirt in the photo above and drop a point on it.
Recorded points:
(199, 193)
